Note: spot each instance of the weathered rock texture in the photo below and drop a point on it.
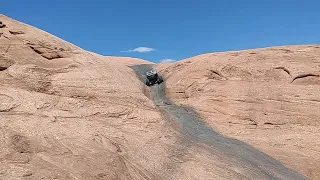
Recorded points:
(267, 97)
(73, 116)
(66, 113)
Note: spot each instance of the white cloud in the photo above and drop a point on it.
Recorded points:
(167, 60)
(140, 50)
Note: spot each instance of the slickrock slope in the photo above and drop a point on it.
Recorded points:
(70, 114)
(66, 113)
(267, 97)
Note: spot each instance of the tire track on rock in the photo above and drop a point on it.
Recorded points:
(240, 158)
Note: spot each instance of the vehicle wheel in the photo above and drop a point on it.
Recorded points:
(160, 80)
(147, 82)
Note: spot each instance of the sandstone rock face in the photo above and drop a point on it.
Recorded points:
(84, 116)
(15, 32)
(2, 25)
(266, 97)
(5, 62)
(66, 113)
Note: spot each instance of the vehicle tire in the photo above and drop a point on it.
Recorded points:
(160, 80)
(147, 82)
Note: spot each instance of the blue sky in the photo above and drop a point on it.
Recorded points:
(175, 29)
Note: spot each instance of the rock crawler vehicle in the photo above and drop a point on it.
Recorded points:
(152, 77)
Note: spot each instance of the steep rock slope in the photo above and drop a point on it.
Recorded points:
(66, 113)
(267, 97)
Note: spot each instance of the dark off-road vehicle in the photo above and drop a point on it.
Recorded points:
(152, 78)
